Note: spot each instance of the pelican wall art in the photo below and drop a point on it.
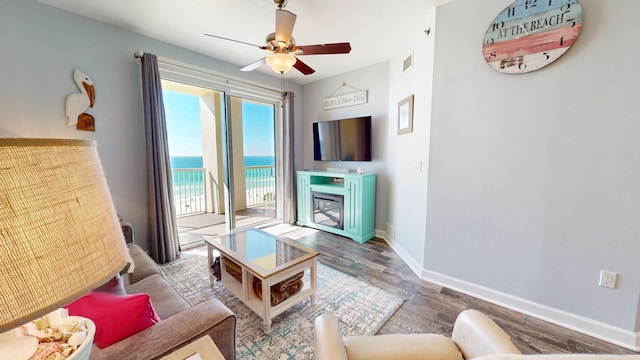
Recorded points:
(78, 103)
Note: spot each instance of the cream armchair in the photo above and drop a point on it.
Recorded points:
(474, 335)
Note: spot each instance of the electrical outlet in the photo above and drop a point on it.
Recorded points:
(608, 279)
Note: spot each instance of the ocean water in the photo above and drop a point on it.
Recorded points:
(259, 160)
(190, 162)
(186, 162)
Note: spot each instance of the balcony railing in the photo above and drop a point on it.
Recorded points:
(260, 182)
(190, 192)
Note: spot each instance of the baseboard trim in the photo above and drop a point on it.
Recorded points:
(615, 335)
(404, 255)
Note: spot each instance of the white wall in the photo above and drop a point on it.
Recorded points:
(41, 46)
(409, 153)
(374, 79)
(533, 179)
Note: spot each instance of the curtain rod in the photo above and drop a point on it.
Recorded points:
(139, 54)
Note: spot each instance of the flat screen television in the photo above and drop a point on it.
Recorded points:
(342, 140)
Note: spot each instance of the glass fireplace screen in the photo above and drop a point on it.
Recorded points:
(327, 209)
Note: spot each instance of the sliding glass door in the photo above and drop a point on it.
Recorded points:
(253, 160)
(222, 144)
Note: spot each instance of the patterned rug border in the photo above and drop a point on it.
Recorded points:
(361, 308)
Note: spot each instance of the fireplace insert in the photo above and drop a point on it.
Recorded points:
(327, 209)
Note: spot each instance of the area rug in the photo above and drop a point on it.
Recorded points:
(361, 308)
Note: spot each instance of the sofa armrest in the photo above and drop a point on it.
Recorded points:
(127, 232)
(143, 265)
(402, 346)
(328, 343)
(559, 357)
(477, 335)
(209, 317)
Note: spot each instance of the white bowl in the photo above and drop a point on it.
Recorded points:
(17, 346)
(84, 350)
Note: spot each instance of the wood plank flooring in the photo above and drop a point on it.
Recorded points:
(432, 308)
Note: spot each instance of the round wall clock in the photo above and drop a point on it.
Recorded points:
(531, 34)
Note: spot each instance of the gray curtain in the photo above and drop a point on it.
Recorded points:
(163, 231)
(288, 164)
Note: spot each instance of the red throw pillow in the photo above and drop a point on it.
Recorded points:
(116, 317)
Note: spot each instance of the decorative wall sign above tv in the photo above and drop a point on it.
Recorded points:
(78, 103)
(356, 98)
(531, 34)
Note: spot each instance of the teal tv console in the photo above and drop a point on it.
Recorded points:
(358, 195)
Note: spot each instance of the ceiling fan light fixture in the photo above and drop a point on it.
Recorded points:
(281, 62)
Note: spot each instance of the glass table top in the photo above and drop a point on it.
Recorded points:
(254, 247)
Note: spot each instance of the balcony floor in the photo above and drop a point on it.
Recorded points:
(193, 229)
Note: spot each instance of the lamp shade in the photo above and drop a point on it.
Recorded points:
(59, 233)
(280, 62)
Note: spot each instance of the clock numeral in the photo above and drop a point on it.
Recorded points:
(492, 56)
(562, 41)
(565, 7)
(573, 21)
(531, 3)
(550, 1)
(546, 56)
(522, 66)
(511, 12)
(497, 26)
(490, 41)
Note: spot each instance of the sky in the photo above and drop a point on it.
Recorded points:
(183, 126)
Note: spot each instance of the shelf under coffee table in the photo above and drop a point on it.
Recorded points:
(255, 254)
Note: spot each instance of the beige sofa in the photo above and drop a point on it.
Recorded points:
(474, 336)
(180, 322)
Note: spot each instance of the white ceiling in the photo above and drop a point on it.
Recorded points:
(373, 27)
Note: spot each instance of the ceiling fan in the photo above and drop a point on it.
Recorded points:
(283, 47)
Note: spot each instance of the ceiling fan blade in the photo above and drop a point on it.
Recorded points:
(303, 68)
(336, 48)
(254, 65)
(285, 20)
(238, 41)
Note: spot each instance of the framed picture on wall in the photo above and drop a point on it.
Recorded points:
(405, 116)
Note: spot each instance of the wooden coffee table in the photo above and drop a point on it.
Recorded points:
(268, 258)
